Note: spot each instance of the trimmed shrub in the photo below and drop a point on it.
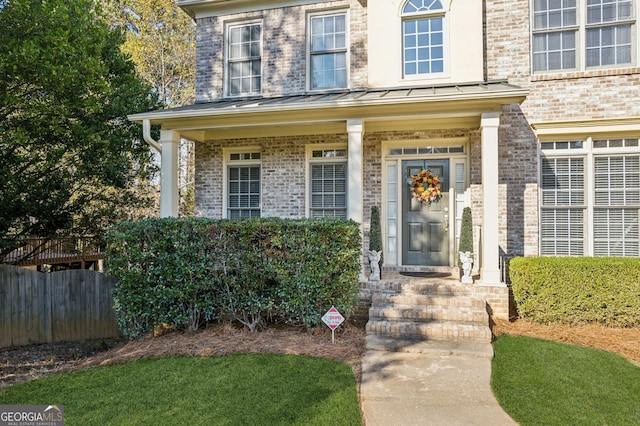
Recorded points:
(466, 233)
(183, 272)
(375, 233)
(573, 290)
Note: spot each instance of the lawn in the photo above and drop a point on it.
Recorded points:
(247, 389)
(540, 382)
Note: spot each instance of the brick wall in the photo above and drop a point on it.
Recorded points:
(611, 93)
(284, 49)
(283, 163)
(566, 96)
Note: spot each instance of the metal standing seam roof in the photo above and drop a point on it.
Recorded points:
(354, 98)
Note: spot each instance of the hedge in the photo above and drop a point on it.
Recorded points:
(577, 290)
(184, 272)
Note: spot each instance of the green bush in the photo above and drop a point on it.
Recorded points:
(375, 235)
(572, 290)
(183, 272)
(466, 233)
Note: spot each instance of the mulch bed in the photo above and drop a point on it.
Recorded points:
(30, 362)
(24, 363)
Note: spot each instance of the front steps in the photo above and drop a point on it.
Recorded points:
(434, 315)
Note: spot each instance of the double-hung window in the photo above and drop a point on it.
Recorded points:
(244, 59)
(582, 34)
(423, 38)
(608, 30)
(590, 197)
(328, 53)
(328, 183)
(554, 34)
(243, 184)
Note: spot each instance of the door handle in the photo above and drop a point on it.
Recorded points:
(446, 222)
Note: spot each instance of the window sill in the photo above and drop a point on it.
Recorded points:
(610, 72)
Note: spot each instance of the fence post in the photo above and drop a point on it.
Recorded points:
(47, 314)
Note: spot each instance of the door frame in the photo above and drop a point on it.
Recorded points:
(393, 221)
(433, 220)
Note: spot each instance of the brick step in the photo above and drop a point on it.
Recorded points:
(429, 313)
(431, 347)
(386, 298)
(437, 330)
(420, 287)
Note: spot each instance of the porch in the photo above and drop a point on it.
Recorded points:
(380, 136)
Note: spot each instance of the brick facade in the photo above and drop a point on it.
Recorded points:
(553, 97)
(284, 49)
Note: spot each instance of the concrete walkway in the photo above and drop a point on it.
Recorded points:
(428, 383)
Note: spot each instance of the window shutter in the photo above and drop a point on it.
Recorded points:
(617, 187)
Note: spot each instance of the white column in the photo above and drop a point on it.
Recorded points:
(490, 272)
(355, 171)
(170, 143)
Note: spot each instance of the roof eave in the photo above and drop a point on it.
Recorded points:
(514, 96)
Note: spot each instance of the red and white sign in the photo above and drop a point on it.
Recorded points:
(333, 318)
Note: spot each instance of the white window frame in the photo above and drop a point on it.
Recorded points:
(334, 51)
(581, 29)
(327, 159)
(614, 24)
(240, 157)
(591, 151)
(550, 30)
(440, 13)
(229, 60)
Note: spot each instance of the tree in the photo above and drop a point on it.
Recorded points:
(161, 40)
(71, 161)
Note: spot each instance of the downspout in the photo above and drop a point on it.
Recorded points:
(146, 135)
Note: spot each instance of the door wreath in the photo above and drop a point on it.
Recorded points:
(426, 186)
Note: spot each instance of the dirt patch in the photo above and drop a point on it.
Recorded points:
(25, 363)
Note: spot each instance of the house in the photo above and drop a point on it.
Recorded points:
(528, 111)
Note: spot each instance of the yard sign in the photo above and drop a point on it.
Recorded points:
(333, 319)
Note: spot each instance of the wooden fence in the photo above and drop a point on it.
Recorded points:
(38, 307)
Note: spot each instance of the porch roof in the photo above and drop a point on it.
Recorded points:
(446, 106)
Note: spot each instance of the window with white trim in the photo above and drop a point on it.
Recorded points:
(590, 197)
(423, 38)
(328, 183)
(328, 52)
(582, 34)
(554, 34)
(608, 29)
(243, 185)
(244, 59)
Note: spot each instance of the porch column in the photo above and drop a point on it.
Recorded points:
(355, 171)
(490, 272)
(170, 143)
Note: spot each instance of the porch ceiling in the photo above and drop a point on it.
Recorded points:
(457, 106)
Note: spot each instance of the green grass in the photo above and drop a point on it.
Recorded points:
(239, 389)
(540, 382)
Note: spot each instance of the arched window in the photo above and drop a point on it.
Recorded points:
(423, 37)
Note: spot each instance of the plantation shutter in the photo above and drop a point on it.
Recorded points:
(329, 190)
(563, 206)
(617, 205)
(244, 191)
